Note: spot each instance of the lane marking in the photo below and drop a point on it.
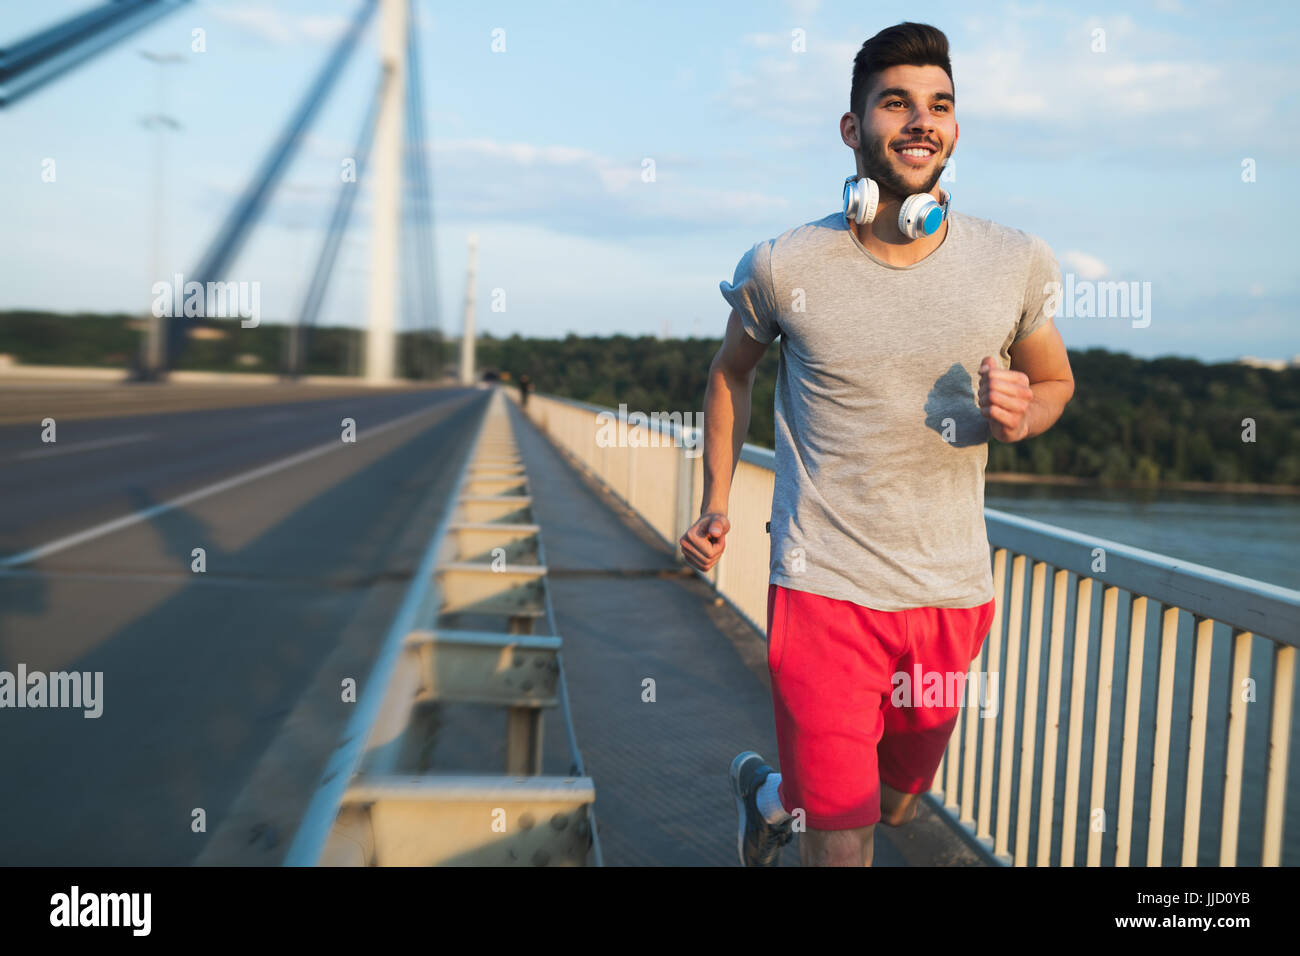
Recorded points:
(83, 446)
(342, 582)
(117, 524)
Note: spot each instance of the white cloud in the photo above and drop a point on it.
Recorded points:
(793, 89)
(579, 191)
(1034, 65)
(803, 9)
(763, 41)
(1071, 86)
(522, 154)
(279, 27)
(1083, 265)
(322, 27)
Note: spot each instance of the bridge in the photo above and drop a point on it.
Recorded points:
(389, 620)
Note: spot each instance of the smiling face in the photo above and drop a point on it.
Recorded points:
(909, 129)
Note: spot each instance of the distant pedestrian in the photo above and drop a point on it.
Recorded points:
(525, 386)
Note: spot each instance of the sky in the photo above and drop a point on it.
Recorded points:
(1149, 143)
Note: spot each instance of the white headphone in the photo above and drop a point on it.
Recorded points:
(920, 215)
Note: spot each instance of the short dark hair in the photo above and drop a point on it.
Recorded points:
(907, 44)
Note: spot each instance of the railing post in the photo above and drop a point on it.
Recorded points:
(630, 490)
(685, 491)
(1279, 730)
(1197, 713)
(1234, 748)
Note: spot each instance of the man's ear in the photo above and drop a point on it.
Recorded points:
(852, 136)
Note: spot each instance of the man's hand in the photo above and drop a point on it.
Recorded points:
(1004, 400)
(703, 543)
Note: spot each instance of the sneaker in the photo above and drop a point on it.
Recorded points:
(758, 842)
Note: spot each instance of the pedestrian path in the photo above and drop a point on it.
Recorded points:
(665, 684)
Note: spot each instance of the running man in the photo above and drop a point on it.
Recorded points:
(905, 342)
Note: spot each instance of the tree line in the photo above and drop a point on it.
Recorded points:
(1131, 419)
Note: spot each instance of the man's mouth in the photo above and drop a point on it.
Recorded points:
(916, 154)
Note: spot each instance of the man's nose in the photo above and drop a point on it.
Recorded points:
(921, 119)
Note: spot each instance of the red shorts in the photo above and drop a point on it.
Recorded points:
(839, 674)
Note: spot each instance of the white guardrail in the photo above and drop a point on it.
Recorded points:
(476, 627)
(1009, 780)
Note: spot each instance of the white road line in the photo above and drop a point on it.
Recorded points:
(57, 449)
(117, 524)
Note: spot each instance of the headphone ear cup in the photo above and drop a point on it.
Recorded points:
(916, 217)
(861, 199)
(872, 200)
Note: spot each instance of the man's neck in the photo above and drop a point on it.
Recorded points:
(883, 239)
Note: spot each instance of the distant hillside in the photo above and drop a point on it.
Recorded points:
(1131, 419)
(114, 341)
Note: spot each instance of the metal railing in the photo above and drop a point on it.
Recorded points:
(1173, 766)
(477, 628)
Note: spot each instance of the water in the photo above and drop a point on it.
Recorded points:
(1256, 536)
(1253, 536)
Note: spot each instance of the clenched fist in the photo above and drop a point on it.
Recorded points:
(704, 541)
(1004, 400)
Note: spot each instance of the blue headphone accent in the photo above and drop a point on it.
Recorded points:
(920, 214)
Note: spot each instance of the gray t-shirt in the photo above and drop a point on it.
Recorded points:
(880, 444)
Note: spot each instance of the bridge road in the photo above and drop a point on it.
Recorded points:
(306, 563)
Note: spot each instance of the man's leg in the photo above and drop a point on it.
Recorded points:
(897, 807)
(944, 643)
(855, 847)
(830, 662)
(837, 847)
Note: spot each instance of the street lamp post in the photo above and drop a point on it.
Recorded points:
(154, 358)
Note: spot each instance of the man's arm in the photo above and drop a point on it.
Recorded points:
(1027, 399)
(726, 422)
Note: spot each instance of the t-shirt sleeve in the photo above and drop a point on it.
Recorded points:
(1042, 289)
(751, 294)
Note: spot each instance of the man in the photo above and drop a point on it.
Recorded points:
(902, 350)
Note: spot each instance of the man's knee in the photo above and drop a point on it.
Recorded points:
(837, 847)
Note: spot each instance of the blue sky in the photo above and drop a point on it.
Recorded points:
(1128, 161)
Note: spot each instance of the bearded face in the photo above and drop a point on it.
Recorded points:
(894, 173)
(908, 129)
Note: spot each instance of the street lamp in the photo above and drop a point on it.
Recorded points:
(154, 357)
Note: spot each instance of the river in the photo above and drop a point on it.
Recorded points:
(1256, 536)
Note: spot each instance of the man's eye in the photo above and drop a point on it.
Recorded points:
(892, 102)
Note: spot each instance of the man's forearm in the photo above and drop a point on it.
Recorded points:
(726, 422)
(1050, 398)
